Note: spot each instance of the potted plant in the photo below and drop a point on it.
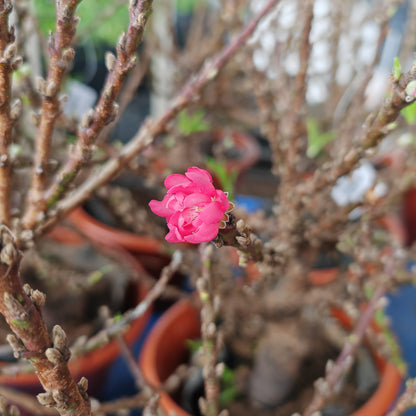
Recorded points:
(78, 280)
(306, 77)
(168, 346)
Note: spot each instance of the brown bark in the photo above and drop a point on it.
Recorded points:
(21, 307)
(60, 56)
(7, 51)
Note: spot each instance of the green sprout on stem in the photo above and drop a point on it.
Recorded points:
(316, 139)
(227, 179)
(192, 123)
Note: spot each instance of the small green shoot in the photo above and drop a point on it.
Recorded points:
(316, 139)
(94, 277)
(229, 390)
(392, 345)
(192, 123)
(397, 69)
(193, 345)
(227, 179)
(409, 113)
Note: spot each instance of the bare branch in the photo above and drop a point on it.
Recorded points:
(106, 109)
(21, 308)
(151, 128)
(61, 55)
(373, 131)
(7, 64)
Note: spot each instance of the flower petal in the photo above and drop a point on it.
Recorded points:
(159, 208)
(222, 198)
(196, 200)
(173, 236)
(206, 232)
(211, 213)
(176, 179)
(202, 179)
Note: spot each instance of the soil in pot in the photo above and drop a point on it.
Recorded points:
(282, 372)
(83, 289)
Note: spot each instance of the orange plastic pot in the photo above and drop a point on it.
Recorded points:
(165, 349)
(150, 252)
(95, 364)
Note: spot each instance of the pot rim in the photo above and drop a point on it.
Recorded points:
(376, 405)
(111, 236)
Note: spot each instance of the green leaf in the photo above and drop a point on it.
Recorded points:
(397, 69)
(227, 179)
(193, 345)
(409, 113)
(229, 390)
(316, 139)
(192, 123)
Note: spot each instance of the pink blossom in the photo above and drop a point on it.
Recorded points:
(193, 208)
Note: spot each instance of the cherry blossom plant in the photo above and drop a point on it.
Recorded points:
(251, 65)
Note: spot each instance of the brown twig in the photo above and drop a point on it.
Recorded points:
(209, 332)
(61, 55)
(151, 128)
(373, 131)
(406, 399)
(237, 234)
(26, 402)
(7, 409)
(131, 363)
(127, 94)
(106, 109)
(325, 387)
(21, 308)
(113, 330)
(7, 116)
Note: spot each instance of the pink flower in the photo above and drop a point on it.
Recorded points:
(193, 208)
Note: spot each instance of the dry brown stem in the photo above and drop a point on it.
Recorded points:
(209, 332)
(7, 64)
(61, 55)
(237, 234)
(325, 387)
(26, 402)
(127, 93)
(114, 330)
(373, 131)
(21, 308)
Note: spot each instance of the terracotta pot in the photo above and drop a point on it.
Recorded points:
(165, 349)
(150, 252)
(95, 364)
